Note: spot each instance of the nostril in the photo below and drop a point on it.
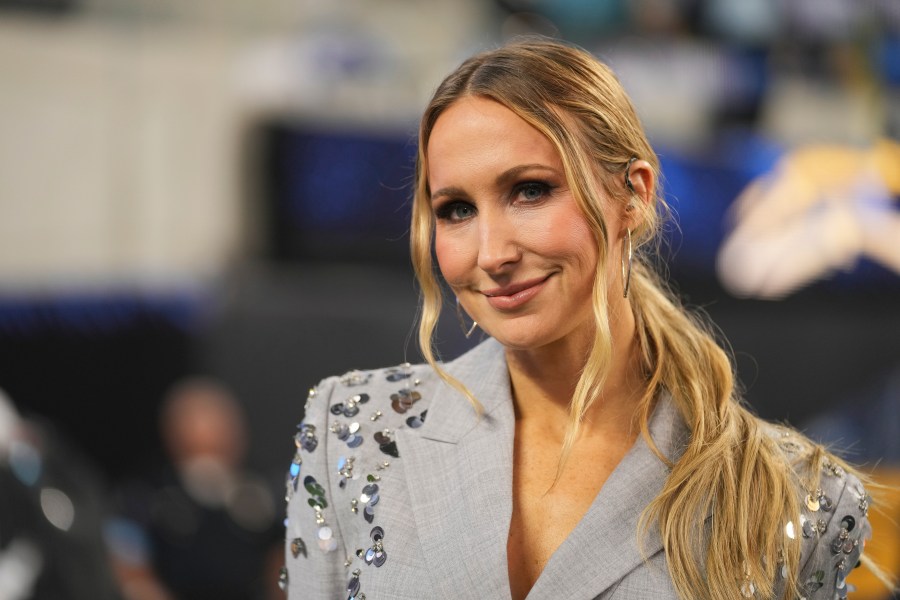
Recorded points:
(497, 263)
(495, 256)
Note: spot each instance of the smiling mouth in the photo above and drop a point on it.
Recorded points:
(515, 288)
(515, 295)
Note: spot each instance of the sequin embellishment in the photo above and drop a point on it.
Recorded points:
(350, 408)
(352, 433)
(386, 443)
(819, 500)
(313, 392)
(812, 502)
(375, 554)
(353, 586)
(347, 433)
(369, 498)
(815, 582)
(324, 533)
(417, 421)
(812, 528)
(399, 373)
(298, 547)
(293, 473)
(833, 469)
(306, 437)
(404, 399)
(345, 470)
(864, 500)
(355, 377)
(842, 542)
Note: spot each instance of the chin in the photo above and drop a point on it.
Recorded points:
(523, 336)
(540, 330)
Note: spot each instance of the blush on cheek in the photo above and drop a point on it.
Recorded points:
(450, 259)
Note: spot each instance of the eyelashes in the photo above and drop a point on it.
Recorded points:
(526, 193)
(454, 211)
(532, 191)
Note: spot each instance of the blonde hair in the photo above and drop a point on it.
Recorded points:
(750, 486)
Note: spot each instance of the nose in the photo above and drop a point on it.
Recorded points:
(497, 247)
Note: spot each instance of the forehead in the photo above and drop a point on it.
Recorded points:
(476, 135)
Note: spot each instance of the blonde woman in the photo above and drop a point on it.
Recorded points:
(593, 446)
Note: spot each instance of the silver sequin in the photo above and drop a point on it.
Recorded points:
(355, 377)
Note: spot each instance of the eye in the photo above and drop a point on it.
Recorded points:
(455, 211)
(532, 191)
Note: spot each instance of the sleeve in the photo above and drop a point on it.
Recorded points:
(835, 527)
(314, 563)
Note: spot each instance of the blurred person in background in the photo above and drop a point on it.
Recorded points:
(203, 527)
(51, 514)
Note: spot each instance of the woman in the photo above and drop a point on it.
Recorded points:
(593, 446)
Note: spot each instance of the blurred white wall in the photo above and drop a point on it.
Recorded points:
(121, 125)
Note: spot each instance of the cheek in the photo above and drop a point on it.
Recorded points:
(453, 258)
(567, 237)
(585, 255)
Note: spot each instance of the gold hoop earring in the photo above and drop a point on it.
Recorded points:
(627, 250)
(462, 323)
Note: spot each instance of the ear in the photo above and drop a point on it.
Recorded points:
(640, 182)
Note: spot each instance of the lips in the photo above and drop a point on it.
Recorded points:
(516, 294)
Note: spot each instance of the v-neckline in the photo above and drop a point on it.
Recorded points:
(590, 506)
(459, 480)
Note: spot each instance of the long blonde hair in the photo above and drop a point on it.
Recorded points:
(579, 105)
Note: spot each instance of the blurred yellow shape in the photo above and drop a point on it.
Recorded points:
(884, 547)
(818, 211)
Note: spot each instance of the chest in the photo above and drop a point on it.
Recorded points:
(549, 501)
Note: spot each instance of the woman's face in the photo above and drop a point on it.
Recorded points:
(510, 240)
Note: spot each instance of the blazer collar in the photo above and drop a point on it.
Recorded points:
(483, 370)
(459, 476)
(605, 545)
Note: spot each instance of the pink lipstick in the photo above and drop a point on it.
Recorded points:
(510, 297)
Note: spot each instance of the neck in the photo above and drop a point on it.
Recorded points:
(543, 379)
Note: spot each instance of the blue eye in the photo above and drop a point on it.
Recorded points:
(462, 211)
(455, 211)
(533, 190)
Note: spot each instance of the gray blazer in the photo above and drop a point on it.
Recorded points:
(398, 490)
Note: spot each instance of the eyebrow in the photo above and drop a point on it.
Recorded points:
(504, 179)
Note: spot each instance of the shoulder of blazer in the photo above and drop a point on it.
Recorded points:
(833, 524)
(346, 438)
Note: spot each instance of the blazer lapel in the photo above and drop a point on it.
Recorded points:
(459, 476)
(604, 547)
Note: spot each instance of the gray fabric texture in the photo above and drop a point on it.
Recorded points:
(445, 504)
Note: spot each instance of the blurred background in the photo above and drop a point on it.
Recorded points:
(204, 206)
